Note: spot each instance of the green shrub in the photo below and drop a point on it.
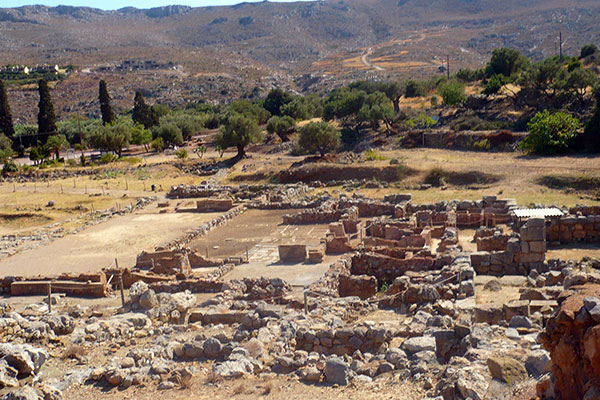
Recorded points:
(550, 133)
(435, 177)
(10, 166)
(158, 144)
(434, 101)
(181, 154)
(421, 121)
(71, 162)
(481, 145)
(371, 155)
(107, 158)
(415, 89)
(453, 93)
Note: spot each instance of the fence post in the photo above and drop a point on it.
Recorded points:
(306, 302)
(49, 297)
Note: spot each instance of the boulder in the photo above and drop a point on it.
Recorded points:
(8, 375)
(212, 348)
(507, 369)
(24, 393)
(538, 362)
(310, 374)
(148, 300)
(337, 371)
(234, 368)
(26, 359)
(419, 343)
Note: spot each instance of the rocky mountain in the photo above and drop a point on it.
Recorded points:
(254, 45)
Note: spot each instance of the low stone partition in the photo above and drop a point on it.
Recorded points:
(326, 213)
(522, 253)
(496, 242)
(84, 285)
(585, 210)
(572, 229)
(397, 198)
(71, 288)
(209, 205)
(409, 242)
(269, 193)
(198, 285)
(368, 207)
(343, 341)
(165, 262)
(362, 286)
(328, 284)
(385, 268)
(428, 218)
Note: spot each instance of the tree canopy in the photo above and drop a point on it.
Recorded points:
(105, 107)
(319, 137)
(239, 130)
(46, 116)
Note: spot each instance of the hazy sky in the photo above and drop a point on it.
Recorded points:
(116, 4)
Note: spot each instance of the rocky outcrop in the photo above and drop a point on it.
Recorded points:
(572, 337)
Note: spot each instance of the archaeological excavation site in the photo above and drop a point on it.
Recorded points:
(279, 291)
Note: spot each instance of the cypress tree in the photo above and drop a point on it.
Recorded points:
(6, 124)
(46, 116)
(105, 108)
(143, 113)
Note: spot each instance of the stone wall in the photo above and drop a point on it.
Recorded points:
(165, 262)
(362, 286)
(86, 285)
(495, 242)
(385, 268)
(572, 229)
(212, 204)
(343, 340)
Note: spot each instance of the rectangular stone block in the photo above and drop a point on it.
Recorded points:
(292, 252)
(537, 247)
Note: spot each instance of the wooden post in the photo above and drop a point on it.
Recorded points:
(247, 258)
(121, 283)
(14, 188)
(85, 189)
(35, 188)
(74, 184)
(126, 185)
(49, 297)
(306, 302)
(206, 251)
(102, 190)
(144, 186)
(448, 65)
(122, 290)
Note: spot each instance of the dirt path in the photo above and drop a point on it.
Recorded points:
(365, 60)
(94, 248)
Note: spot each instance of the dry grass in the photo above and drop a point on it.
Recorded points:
(75, 351)
(240, 389)
(212, 378)
(267, 389)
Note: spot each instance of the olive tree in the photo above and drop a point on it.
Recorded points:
(319, 137)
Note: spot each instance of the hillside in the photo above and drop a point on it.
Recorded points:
(223, 52)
